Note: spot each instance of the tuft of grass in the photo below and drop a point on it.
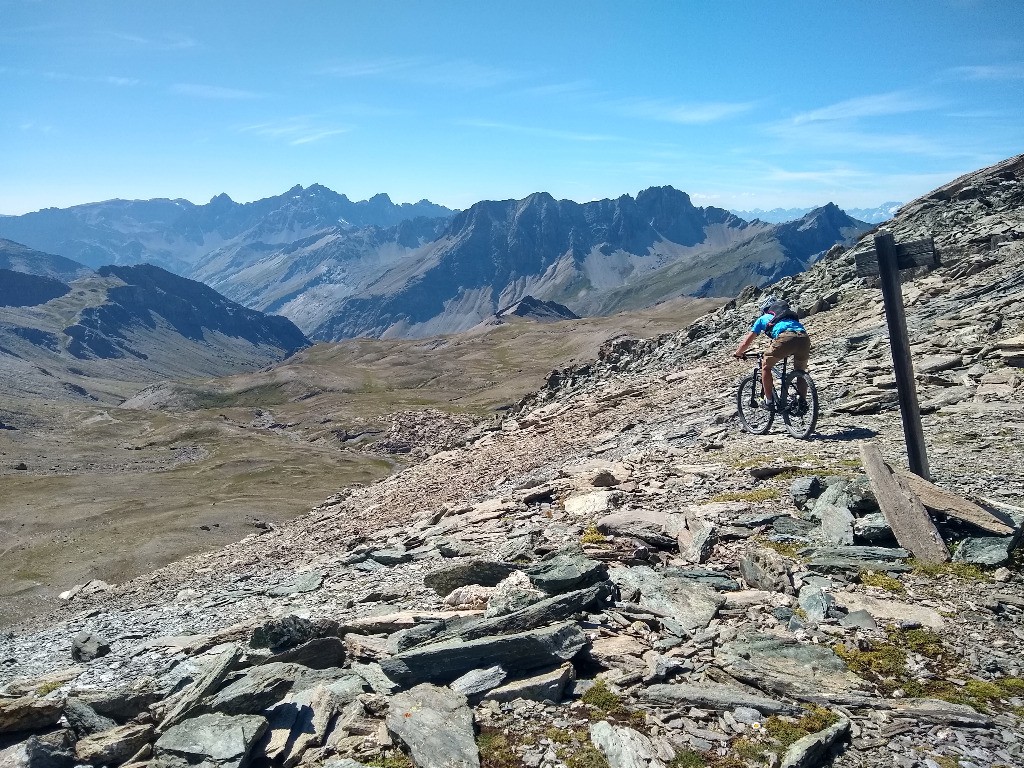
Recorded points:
(593, 536)
(748, 749)
(756, 495)
(585, 756)
(962, 570)
(496, 750)
(922, 641)
(688, 758)
(49, 687)
(881, 580)
(789, 549)
(394, 760)
(787, 731)
(600, 696)
(883, 663)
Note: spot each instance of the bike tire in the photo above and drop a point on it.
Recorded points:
(800, 425)
(754, 417)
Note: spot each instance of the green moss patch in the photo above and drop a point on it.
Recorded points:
(881, 580)
(757, 495)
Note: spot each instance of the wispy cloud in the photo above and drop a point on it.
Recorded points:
(295, 131)
(160, 43)
(460, 74)
(571, 88)
(57, 76)
(535, 131)
(876, 105)
(686, 113)
(989, 72)
(31, 126)
(836, 137)
(214, 92)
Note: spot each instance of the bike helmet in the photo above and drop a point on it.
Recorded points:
(767, 302)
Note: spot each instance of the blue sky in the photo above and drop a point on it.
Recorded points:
(742, 104)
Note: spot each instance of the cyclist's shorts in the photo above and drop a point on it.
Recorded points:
(796, 344)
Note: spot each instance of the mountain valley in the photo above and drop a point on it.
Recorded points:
(603, 570)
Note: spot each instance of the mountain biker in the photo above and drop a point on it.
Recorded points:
(788, 336)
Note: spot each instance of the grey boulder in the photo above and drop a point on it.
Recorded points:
(212, 741)
(436, 726)
(624, 747)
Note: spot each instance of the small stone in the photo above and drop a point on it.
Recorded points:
(87, 646)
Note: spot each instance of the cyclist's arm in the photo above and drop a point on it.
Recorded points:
(747, 341)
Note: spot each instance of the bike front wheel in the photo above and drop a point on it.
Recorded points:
(800, 413)
(755, 418)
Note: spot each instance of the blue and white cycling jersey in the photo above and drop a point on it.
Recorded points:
(793, 326)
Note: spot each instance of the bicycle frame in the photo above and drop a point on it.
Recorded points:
(759, 381)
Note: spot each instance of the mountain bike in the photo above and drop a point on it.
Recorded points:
(800, 419)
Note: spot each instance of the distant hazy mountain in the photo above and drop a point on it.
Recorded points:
(877, 215)
(177, 234)
(92, 337)
(20, 258)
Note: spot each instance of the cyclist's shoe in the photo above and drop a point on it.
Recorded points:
(800, 407)
(768, 405)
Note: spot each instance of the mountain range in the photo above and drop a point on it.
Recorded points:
(177, 234)
(875, 215)
(340, 269)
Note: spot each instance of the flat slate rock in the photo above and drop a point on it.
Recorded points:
(566, 572)
(436, 725)
(209, 740)
(689, 604)
(548, 686)
(811, 750)
(655, 527)
(708, 695)
(891, 610)
(786, 667)
(115, 746)
(29, 713)
(446, 661)
(486, 573)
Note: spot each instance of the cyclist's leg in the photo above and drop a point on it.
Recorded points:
(776, 353)
(801, 351)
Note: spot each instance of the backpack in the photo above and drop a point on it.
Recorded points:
(781, 311)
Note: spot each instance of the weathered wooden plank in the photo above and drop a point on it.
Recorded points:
(903, 511)
(918, 253)
(939, 499)
(899, 343)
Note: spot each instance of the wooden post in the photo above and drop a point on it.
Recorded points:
(903, 366)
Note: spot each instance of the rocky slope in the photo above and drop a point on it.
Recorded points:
(177, 234)
(617, 575)
(85, 339)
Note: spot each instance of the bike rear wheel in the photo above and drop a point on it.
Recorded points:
(755, 418)
(800, 415)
